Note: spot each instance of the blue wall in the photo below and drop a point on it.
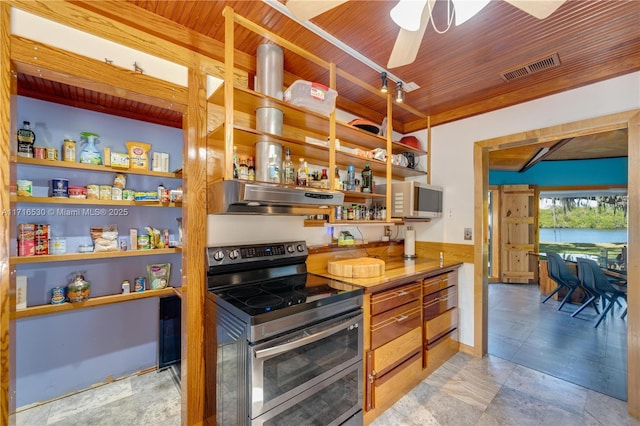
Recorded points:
(608, 171)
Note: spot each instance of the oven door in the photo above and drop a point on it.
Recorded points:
(289, 365)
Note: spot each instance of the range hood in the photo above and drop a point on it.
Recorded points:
(232, 196)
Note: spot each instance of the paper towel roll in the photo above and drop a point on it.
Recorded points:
(410, 242)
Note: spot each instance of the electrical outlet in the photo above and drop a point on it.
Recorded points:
(467, 233)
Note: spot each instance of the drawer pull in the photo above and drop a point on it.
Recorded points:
(402, 318)
(402, 293)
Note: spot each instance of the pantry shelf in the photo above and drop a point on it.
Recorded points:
(34, 311)
(93, 202)
(20, 260)
(93, 167)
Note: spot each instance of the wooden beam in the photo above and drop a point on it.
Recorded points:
(544, 153)
(194, 220)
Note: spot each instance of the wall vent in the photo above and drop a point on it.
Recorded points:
(530, 68)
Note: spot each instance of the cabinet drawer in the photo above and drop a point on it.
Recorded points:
(393, 298)
(436, 303)
(438, 352)
(433, 284)
(387, 389)
(440, 325)
(388, 356)
(396, 322)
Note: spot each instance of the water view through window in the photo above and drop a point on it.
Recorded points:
(585, 224)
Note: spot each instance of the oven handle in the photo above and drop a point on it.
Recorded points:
(275, 350)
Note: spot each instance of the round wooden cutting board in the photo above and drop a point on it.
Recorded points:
(360, 267)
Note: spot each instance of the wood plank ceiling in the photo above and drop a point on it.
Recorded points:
(458, 72)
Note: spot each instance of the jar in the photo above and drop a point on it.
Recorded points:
(78, 290)
(58, 245)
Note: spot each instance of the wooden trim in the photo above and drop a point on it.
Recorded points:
(194, 220)
(579, 188)
(629, 120)
(8, 85)
(451, 251)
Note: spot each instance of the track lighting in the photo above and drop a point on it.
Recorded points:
(383, 77)
(399, 94)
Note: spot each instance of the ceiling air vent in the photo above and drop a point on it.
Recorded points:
(530, 68)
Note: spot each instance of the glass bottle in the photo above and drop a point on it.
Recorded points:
(288, 169)
(251, 174)
(302, 173)
(324, 179)
(336, 180)
(367, 179)
(274, 170)
(236, 163)
(243, 169)
(26, 140)
(351, 178)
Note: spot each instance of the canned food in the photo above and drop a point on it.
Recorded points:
(57, 295)
(105, 192)
(139, 284)
(26, 231)
(25, 187)
(128, 194)
(144, 243)
(51, 153)
(126, 287)
(69, 150)
(41, 247)
(42, 231)
(93, 192)
(116, 193)
(58, 245)
(38, 152)
(77, 192)
(59, 188)
(27, 247)
(85, 248)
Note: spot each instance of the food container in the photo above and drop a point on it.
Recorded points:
(58, 295)
(85, 248)
(105, 192)
(78, 290)
(144, 243)
(27, 247)
(39, 152)
(42, 231)
(139, 284)
(77, 192)
(116, 193)
(128, 194)
(93, 192)
(41, 247)
(26, 231)
(58, 245)
(25, 188)
(59, 188)
(69, 150)
(51, 153)
(313, 96)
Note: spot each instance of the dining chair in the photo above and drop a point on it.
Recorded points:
(588, 284)
(560, 273)
(604, 285)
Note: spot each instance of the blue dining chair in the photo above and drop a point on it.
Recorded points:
(560, 273)
(588, 284)
(604, 285)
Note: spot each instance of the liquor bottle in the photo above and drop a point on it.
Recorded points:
(251, 169)
(367, 179)
(236, 163)
(243, 170)
(26, 140)
(351, 178)
(302, 173)
(288, 169)
(324, 179)
(274, 169)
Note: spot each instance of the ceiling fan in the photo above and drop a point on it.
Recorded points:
(413, 16)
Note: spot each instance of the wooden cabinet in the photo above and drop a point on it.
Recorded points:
(440, 315)
(393, 360)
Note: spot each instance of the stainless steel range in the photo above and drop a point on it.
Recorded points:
(288, 344)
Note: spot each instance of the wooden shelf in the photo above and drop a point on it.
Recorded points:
(354, 195)
(95, 168)
(91, 202)
(20, 260)
(34, 311)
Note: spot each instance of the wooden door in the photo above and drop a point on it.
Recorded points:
(519, 233)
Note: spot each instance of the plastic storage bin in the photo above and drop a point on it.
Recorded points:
(313, 96)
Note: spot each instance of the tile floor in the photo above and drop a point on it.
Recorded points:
(538, 336)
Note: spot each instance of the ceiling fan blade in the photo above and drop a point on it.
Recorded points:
(408, 43)
(307, 9)
(538, 8)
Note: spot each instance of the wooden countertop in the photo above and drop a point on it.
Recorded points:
(398, 270)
